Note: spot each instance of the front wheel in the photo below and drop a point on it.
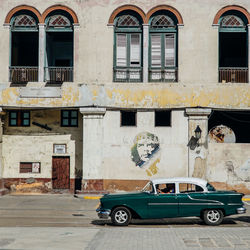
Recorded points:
(213, 217)
(121, 216)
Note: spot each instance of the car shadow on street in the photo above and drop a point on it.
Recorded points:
(172, 222)
(245, 219)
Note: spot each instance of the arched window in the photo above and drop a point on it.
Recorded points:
(24, 47)
(59, 47)
(128, 48)
(163, 44)
(233, 47)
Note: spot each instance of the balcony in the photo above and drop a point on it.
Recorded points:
(23, 74)
(58, 74)
(239, 75)
(163, 75)
(124, 74)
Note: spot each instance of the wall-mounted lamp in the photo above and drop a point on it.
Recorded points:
(193, 142)
(197, 132)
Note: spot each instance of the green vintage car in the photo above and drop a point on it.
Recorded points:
(169, 198)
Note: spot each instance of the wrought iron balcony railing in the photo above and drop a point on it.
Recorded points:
(58, 74)
(23, 74)
(239, 75)
(124, 74)
(163, 75)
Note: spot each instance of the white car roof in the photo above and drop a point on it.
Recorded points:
(197, 181)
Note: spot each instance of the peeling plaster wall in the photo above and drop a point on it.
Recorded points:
(52, 118)
(170, 160)
(19, 148)
(198, 60)
(138, 96)
(229, 165)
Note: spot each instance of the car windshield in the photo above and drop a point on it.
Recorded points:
(210, 187)
(148, 188)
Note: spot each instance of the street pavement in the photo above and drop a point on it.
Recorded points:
(68, 222)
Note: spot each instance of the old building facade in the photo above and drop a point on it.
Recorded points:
(103, 95)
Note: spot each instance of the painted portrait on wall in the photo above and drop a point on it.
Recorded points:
(145, 150)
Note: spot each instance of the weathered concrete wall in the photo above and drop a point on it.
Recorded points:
(93, 86)
(53, 119)
(93, 18)
(124, 148)
(23, 148)
(198, 60)
(229, 166)
(127, 95)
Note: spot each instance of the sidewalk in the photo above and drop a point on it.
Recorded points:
(124, 238)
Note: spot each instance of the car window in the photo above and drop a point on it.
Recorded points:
(189, 187)
(165, 188)
(148, 188)
(210, 187)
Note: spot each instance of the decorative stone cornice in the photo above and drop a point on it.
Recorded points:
(198, 111)
(93, 111)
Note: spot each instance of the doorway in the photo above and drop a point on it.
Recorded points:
(60, 172)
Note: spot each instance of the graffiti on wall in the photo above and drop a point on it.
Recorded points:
(145, 152)
(241, 173)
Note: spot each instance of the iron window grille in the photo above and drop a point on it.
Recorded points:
(232, 68)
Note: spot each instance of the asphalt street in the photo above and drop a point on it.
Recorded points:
(67, 222)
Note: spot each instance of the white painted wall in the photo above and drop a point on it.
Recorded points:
(229, 163)
(198, 39)
(18, 149)
(118, 141)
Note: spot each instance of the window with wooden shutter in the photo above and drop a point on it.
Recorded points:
(156, 50)
(169, 50)
(30, 167)
(121, 50)
(135, 50)
(127, 50)
(163, 56)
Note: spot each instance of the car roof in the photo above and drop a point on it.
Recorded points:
(180, 179)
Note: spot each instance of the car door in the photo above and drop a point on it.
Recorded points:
(162, 205)
(192, 199)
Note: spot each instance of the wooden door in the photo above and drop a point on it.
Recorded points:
(60, 173)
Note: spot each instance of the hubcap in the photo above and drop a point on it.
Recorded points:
(121, 216)
(213, 216)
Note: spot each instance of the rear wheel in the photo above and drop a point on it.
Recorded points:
(121, 216)
(213, 217)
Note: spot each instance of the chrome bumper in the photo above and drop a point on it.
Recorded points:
(241, 210)
(103, 214)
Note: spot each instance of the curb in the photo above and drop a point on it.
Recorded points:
(246, 199)
(92, 197)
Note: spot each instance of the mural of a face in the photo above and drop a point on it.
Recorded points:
(144, 148)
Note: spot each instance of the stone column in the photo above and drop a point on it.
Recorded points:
(197, 157)
(92, 177)
(145, 52)
(249, 53)
(41, 52)
(76, 52)
(1, 142)
(6, 55)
